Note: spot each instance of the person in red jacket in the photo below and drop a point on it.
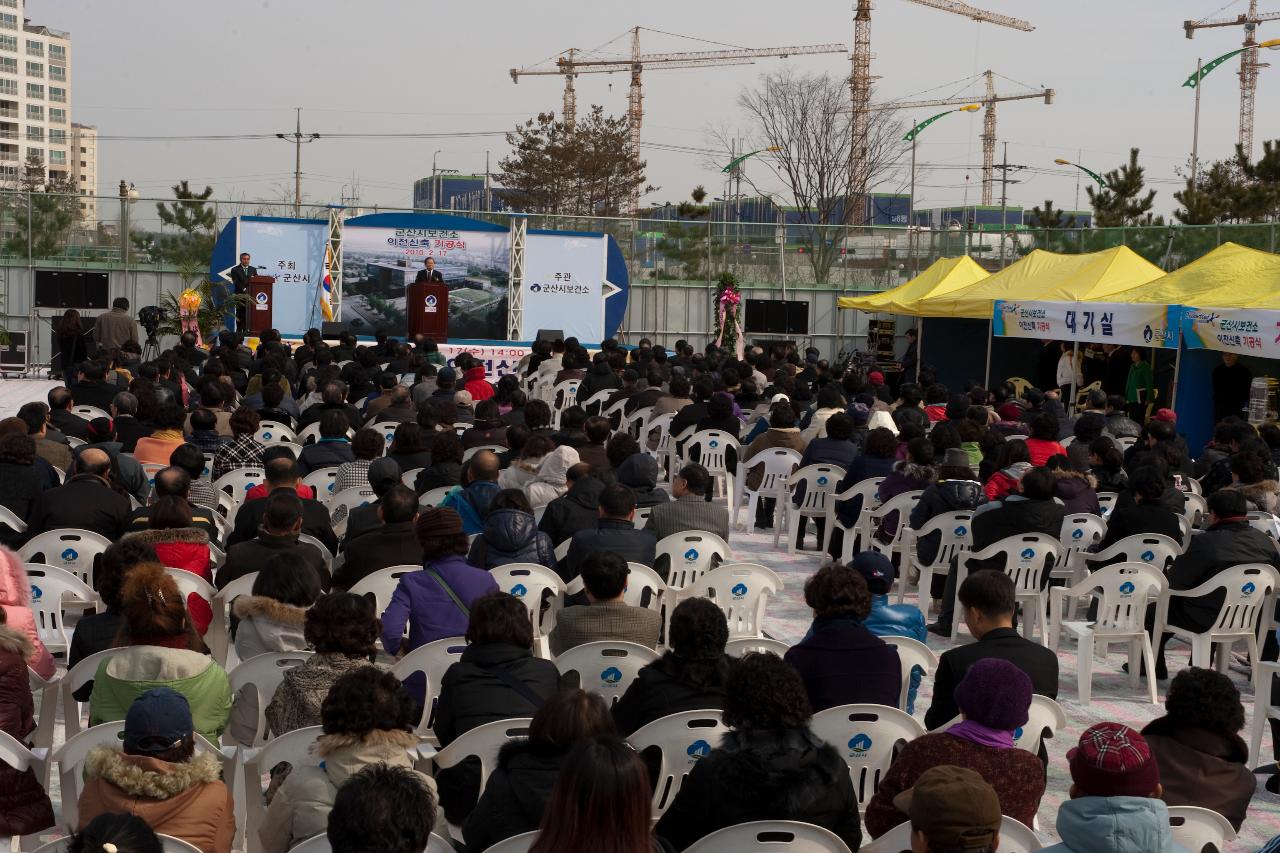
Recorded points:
(476, 384)
(1043, 442)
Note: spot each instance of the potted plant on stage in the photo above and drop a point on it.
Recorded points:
(728, 320)
(201, 308)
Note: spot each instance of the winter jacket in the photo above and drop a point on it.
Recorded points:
(639, 471)
(1261, 496)
(1039, 663)
(422, 603)
(669, 685)
(179, 548)
(265, 626)
(484, 432)
(516, 794)
(1120, 425)
(1076, 491)
(325, 453)
(843, 663)
(1109, 479)
(85, 502)
(20, 486)
(864, 467)
(511, 536)
(125, 470)
(1230, 542)
(1005, 481)
(472, 504)
(128, 674)
(898, 620)
(1114, 825)
(1204, 768)
(24, 806)
(788, 437)
(550, 481)
(187, 800)
(818, 424)
(520, 472)
(1016, 775)
(296, 703)
(315, 522)
(942, 497)
(301, 806)
(599, 378)
(254, 555)
(471, 694)
(905, 477)
(764, 775)
(1140, 518)
(476, 385)
(831, 451)
(608, 534)
(16, 594)
(576, 510)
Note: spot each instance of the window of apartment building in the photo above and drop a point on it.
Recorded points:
(57, 94)
(57, 158)
(35, 69)
(39, 152)
(58, 137)
(35, 90)
(8, 65)
(36, 132)
(9, 4)
(9, 22)
(35, 112)
(8, 86)
(57, 72)
(57, 115)
(83, 164)
(35, 48)
(57, 53)
(9, 43)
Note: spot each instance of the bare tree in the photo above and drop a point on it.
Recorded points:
(806, 117)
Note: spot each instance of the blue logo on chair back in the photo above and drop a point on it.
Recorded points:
(1078, 533)
(1249, 588)
(1017, 734)
(1148, 556)
(961, 531)
(1028, 553)
(691, 555)
(612, 675)
(823, 480)
(1127, 588)
(248, 486)
(267, 435)
(713, 443)
(36, 592)
(70, 555)
(860, 744)
(739, 590)
(519, 590)
(698, 749)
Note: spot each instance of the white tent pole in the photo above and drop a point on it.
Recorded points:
(1071, 404)
(1177, 370)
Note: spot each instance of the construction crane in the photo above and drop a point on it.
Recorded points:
(860, 84)
(988, 101)
(1249, 63)
(569, 66)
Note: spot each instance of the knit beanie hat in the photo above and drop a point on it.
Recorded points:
(438, 521)
(1112, 760)
(995, 693)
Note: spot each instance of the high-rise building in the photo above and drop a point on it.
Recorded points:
(84, 170)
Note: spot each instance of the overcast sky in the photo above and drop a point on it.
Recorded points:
(237, 66)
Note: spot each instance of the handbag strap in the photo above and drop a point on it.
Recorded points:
(518, 686)
(466, 611)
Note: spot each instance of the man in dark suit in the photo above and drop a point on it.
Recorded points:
(282, 519)
(383, 474)
(283, 474)
(614, 532)
(240, 276)
(392, 544)
(61, 416)
(690, 510)
(431, 275)
(987, 597)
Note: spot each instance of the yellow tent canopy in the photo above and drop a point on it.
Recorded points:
(943, 276)
(1231, 276)
(1045, 276)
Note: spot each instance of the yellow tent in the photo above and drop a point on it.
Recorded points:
(1045, 276)
(943, 276)
(1231, 276)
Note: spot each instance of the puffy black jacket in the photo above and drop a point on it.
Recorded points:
(640, 472)
(516, 794)
(575, 510)
(511, 536)
(943, 497)
(1230, 542)
(670, 685)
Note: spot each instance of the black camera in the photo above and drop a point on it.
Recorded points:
(150, 318)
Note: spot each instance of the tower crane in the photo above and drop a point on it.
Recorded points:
(569, 66)
(860, 84)
(1249, 63)
(988, 101)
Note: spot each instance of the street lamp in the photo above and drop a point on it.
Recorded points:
(911, 136)
(1102, 183)
(1193, 82)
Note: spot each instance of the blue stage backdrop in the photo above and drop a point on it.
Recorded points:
(292, 250)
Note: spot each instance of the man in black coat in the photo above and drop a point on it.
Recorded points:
(383, 474)
(430, 275)
(988, 600)
(61, 416)
(240, 276)
(86, 502)
(1146, 515)
(576, 509)
(281, 522)
(392, 544)
(615, 531)
(91, 387)
(283, 474)
(124, 416)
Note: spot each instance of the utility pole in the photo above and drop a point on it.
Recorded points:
(298, 137)
(1080, 156)
(1195, 127)
(1004, 200)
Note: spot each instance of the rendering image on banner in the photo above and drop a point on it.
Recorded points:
(380, 262)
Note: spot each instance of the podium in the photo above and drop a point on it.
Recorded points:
(427, 308)
(262, 307)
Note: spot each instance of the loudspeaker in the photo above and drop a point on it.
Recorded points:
(13, 355)
(71, 289)
(549, 335)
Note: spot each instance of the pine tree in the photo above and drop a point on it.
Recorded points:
(1051, 217)
(191, 221)
(1122, 202)
(43, 212)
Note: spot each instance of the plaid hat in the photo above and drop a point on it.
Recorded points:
(157, 721)
(384, 470)
(995, 693)
(1166, 415)
(860, 412)
(101, 427)
(446, 375)
(875, 377)
(956, 458)
(1112, 760)
(953, 806)
(876, 569)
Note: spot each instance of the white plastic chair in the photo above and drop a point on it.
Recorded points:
(263, 673)
(563, 395)
(1150, 548)
(1124, 590)
(433, 497)
(472, 451)
(867, 738)
(634, 423)
(819, 483)
(1080, 532)
(911, 653)
(309, 434)
(435, 844)
(1027, 559)
(71, 681)
(321, 481)
(956, 532)
(11, 520)
(641, 517)
(238, 481)
(691, 554)
(515, 844)
(347, 500)
(530, 582)
(408, 478)
(777, 464)
(597, 400)
(1194, 828)
(740, 590)
(902, 504)
(46, 690)
(1195, 507)
(482, 742)
(89, 412)
(713, 448)
(1249, 602)
(293, 747)
(736, 648)
(606, 667)
(1106, 503)
(272, 432)
(768, 836)
(70, 549)
(431, 660)
(14, 754)
(681, 739)
(855, 536)
(382, 584)
(220, 629)
(640, 580)
(1044, 715)
(388, 430)
(52, 591)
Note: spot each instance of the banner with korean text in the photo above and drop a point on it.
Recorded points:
(1245, 331)
(1088, 322)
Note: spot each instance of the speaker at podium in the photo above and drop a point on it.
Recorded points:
(427, 308)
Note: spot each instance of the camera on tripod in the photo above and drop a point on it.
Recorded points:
(150, 318)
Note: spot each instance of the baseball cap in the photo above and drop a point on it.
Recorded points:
(462, 398)
(952, 806)
(383, 470)
(1112, 760)
(157, 721)
(447, 374)
(1166, 415)
(860, 412)
(779, 398)
(875, 377)
(876, 569)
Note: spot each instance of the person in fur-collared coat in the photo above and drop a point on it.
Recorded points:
(1078, 490)
(159, 778)
(24, 805)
